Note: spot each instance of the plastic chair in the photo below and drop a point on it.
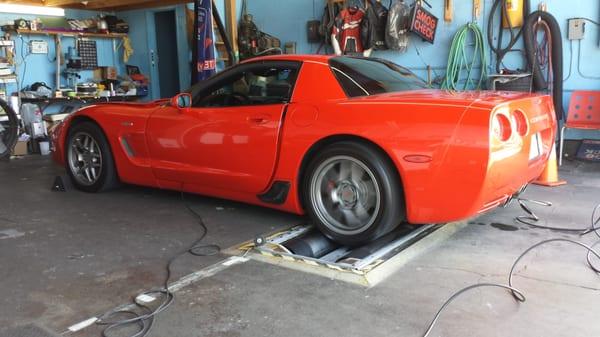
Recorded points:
(584, 114)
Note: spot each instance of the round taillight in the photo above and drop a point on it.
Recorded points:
(501, 128)
(521, 125)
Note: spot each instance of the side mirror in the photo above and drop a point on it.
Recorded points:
(182, 101)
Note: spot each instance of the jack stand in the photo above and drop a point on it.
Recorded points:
(60, 184)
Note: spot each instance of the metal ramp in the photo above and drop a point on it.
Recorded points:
(305, 249)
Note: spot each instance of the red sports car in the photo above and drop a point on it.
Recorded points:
(359, 144)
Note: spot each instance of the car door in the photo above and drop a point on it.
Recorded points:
(228, 139)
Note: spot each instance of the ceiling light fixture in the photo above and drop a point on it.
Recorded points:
(32, 10)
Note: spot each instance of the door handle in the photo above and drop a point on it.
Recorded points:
(258, 119)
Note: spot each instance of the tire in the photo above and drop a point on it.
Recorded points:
(353, 194)
(89, 160)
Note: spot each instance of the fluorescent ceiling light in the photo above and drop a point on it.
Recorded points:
(33, 10)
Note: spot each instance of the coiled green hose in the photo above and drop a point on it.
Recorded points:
(459, 61)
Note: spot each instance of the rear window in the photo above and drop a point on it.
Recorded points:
(370, 76)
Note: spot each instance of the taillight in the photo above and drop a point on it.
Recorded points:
(520, 122)
(501, 128)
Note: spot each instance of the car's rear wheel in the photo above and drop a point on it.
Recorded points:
(90, 162)
(353, 193)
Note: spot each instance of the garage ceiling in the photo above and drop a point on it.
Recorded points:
(103, 5)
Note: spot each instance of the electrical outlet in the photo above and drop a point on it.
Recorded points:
(576, 29)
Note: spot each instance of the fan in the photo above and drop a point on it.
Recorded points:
(8, 130)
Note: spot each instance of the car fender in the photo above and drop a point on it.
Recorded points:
(397, 133)
(124, 126)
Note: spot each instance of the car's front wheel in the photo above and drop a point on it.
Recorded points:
(89, 159)
(353, 193)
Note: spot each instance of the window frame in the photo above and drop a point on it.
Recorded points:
(202, 89)
(349, 84)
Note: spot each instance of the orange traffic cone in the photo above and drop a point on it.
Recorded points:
(549, 176)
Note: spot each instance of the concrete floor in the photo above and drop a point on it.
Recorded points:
(65, 257)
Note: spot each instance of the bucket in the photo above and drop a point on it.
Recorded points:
(44, 147)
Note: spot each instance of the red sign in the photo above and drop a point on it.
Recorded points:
(424, 24)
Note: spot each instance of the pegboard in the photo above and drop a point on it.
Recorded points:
(89, 54)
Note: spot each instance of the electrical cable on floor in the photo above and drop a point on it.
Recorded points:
(518, 295)
(145, 320)
(531, 218)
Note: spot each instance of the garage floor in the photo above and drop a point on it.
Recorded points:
(66, 257)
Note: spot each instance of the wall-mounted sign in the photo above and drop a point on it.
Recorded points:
(424, 24)
(38, 47)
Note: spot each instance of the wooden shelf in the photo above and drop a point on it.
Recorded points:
(71, 33)
(8, 79)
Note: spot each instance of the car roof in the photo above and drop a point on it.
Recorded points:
(291, 57)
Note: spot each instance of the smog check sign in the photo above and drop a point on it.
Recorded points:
(424, 24)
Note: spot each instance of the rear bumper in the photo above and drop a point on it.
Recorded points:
(501, 183)
(520, 161)
(477, 173)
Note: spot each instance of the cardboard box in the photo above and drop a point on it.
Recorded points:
(109, 73)
(20, 149)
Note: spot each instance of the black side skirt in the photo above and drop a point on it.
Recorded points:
(277, 194)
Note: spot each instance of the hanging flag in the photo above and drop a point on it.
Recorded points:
(204, 44)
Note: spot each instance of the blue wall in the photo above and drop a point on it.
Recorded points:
(143, 37)
(42, 67)
(288, 19)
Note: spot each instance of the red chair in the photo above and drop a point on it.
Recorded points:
(584, 114)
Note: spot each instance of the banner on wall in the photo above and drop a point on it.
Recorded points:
(204, 45)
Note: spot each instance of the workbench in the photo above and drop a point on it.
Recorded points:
(44, 103)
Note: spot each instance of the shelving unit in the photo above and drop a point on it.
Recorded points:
(6, 49)
(59, 34)
(70, 33)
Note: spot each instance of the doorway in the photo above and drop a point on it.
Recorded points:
(166, 51)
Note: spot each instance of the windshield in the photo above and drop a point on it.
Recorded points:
(370, 76)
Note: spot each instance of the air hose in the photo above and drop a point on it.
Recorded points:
(592, 255)
(530, 28)
(459, 61)
(499, 50)
(8, 135)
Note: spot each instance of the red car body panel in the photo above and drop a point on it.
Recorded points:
(440, 142)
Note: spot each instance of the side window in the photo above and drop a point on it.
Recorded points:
(256, 86)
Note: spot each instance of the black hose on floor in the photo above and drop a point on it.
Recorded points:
(144, 317)
(518, 295)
